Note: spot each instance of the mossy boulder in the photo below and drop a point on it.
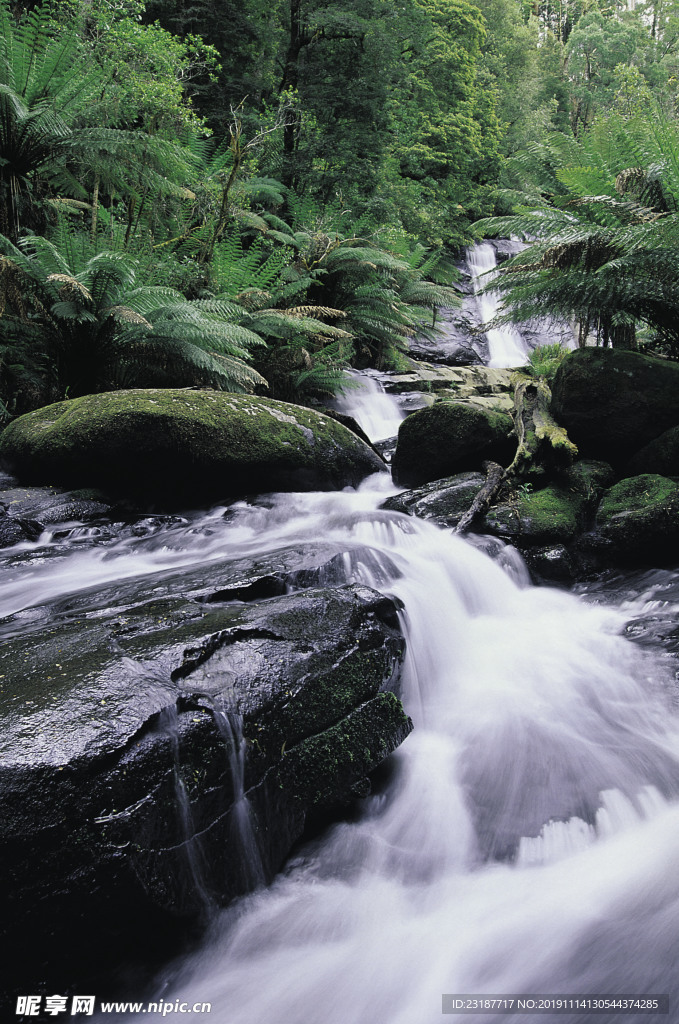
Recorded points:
(660, 456)
(448, 438)
(638, 519)
(588, 478)
(613, 402)
(184, 445)
(548, 516)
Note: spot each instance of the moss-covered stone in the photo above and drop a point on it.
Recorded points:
(638, 519)
(614, 402)
(448, 438)
(550, 515)
(184, 445)
(588, 478)
(660, 456)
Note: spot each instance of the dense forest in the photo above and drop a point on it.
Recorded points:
(256, 195)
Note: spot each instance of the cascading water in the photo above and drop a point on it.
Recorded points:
(505, 345)
(527, 840)
(376, 412)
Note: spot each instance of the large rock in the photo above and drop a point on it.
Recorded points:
(614, 402)
(660, 456)
(184, 445)
(638, 520)
(448, 438)
(163, 743)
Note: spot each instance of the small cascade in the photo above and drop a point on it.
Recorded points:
(191, 849)
(506, 347)
(376, 412)
(243, 834)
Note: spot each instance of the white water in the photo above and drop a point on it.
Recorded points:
(378, 413)
(505, 345)
(529, 839)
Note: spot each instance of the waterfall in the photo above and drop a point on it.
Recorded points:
(527, 838)
(505, 344)
(376, 412)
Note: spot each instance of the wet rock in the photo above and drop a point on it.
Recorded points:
(613, 402)
(505, 248)
(49, 505)
(443, 501)
(184, 446)
(448, 438)
(551, 564)
(141, 721)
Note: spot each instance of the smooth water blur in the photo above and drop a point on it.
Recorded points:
(528, 837)
(506, 347)
(376, 412)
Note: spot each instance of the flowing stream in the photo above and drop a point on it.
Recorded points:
(527, 837)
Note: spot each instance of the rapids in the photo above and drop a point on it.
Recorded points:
(525, 838)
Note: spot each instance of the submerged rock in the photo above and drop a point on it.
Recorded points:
(184, 446)
(447, 438)
(613, 402)
(163, 743)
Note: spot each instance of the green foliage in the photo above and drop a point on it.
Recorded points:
(99, 327)
(545, 360)
(606, 242)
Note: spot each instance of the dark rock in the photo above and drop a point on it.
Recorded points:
(588, 478)
(638, 520)
(659, 456)
(443, 501)
(505, 248)
(350, 423)
(13, 531)
(184, 446)
(49, 505)
(613, 402)
(126, 712)
(551, 564)
(447, 438)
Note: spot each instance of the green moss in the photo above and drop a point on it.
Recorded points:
(639, 518)
(155, 442)
(612, 402)
(589, 478)
(639, 494)
(549, 515)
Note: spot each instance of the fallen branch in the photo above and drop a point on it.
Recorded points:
(495, 476)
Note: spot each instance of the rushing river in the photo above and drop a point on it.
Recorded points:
(526, 839)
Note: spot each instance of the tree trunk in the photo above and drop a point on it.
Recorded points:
(543, 446)
(289, 84)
